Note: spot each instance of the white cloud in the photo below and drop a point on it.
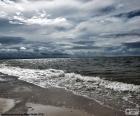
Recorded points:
(22, 48)
(41, 20)
(57, 7)
(45, 21)
(72, 20)
(16, 13)
(10, 6)
(96, 4)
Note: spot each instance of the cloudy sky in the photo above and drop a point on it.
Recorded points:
(70, 27)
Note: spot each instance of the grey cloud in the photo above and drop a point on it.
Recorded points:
(84, 26)
(84, 47)
(116, 35)
(83, 42)
(129, 14)
(133, 45)
(11, 40)
(31, 49)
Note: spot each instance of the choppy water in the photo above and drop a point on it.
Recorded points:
(114, 82)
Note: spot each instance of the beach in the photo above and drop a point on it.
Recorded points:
(69, 87)
(69, 57)
(19, 97)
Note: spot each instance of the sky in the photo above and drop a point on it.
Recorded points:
(65, 28)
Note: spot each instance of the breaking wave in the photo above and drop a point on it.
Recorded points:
(92, 87)
(54, 77)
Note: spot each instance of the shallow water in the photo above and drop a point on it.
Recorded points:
(124, 69)
(113, 82)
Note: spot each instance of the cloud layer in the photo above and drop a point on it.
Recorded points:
(74, 27)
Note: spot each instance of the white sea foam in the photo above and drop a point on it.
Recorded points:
(59, 78)
(92, 87)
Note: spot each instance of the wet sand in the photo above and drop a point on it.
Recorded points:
(6, 104)
(28, 98)
(48, 110)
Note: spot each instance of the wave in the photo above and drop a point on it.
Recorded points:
(55, 77)
(120, 95)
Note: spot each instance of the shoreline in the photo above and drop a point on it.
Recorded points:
(25, 93)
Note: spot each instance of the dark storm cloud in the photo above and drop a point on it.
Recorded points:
(72, 27)
(129, 14)
(29, 49)
(4, 24)
(107, 9)
(11, 40)
(84, 42)
(133, 45)
(130, 34)
(84, 47)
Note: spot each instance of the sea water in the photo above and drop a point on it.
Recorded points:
(111, 81)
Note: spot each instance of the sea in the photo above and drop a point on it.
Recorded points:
(111, 81)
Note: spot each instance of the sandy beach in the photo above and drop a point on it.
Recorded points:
(19, 97)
